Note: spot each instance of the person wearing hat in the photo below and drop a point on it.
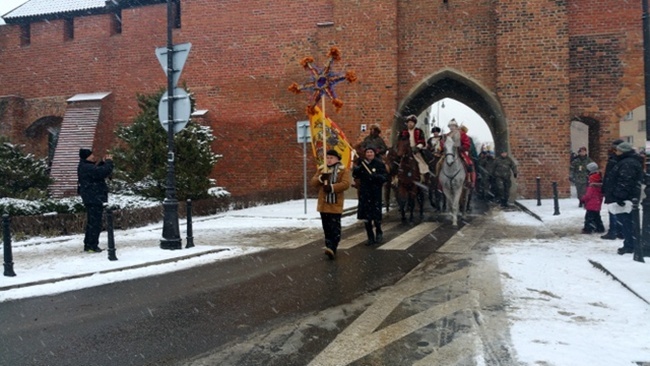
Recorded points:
(578, 173)
(91, 185)
(434, 143)
(464, 147)
(593, 201)
(614, 231)
(332, 179)
(624, 183)
(375, 141)
(371, 174)
(415, 136)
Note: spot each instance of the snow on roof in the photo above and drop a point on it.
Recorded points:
(88, 97)
(43, 7)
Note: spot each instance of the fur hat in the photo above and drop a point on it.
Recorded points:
(616, 142)
(412, 117)
(452, 123)
(436, 129)
(84, 153)
(464, 128)
(624, 147)
(582, 148)
(332, 152)
(592, 167)
(375, 128)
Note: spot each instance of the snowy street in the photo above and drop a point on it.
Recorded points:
(515, 290)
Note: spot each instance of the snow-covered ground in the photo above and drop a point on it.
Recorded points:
(561, 309)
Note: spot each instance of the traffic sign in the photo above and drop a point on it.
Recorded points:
(304, 134)
(180, 53)
(182, 109)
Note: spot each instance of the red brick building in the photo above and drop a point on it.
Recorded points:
(528, 67)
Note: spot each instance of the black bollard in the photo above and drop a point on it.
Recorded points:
(539, 191)
(6, 239)
(556, 201)
(111, 237)
(190, 238)
(636, 234)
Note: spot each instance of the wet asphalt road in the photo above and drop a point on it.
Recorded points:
(166, 319)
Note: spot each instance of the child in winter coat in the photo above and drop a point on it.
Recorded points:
(593, 200)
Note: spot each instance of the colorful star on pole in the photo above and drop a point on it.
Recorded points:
(322, 81)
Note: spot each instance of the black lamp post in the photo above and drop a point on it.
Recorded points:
(171, 238)
(645, 229)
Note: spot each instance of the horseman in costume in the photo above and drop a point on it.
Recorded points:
(374, 141)
(464, 148)
(417, 143)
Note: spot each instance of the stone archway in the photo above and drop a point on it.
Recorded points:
(43, 135)
(593, 133)
(449, 83)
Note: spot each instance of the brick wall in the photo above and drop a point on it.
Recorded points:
(544, 62)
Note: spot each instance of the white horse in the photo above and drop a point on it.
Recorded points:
(452, 178)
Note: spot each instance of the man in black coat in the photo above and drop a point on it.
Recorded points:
(625, 179)
(91, 175)
(371, 173)
(614, 231)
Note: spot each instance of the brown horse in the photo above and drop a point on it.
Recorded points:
(408, 181)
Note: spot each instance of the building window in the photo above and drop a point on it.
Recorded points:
(641, 126)
(116, 22)
(68, 29)
(629, 139)
(628, 116)
(176, 13)
(25, 35)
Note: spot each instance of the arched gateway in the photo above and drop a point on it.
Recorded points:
(528, 68)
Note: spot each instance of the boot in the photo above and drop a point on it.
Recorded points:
(380, 235)
(371, 235)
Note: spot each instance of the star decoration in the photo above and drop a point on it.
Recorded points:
(322, 81)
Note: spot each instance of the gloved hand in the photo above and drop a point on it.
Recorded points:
(327, 188)
(620, 203)
(324, 177)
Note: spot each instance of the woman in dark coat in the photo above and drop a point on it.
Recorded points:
(91, 175)
(371, 173)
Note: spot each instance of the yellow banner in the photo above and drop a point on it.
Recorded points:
(334, 138)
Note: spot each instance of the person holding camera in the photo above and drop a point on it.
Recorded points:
(91, 185)
(331, 179)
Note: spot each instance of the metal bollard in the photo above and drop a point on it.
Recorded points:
(111, 237)
(6, 238)
(539, 191)
(190, 238)
(636, 234)
(556, 202)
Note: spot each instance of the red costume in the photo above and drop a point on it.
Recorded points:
(418, 136)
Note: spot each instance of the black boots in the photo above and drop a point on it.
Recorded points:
(371, 234)
(372, 237)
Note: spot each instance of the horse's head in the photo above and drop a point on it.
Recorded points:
(451, 153)
(403, 147)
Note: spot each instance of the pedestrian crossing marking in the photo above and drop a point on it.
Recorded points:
(357, 239)
(464, 240)
(410, 237)
(363, 337)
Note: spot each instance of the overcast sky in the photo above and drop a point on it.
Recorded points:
(9, 5)
(477, 128)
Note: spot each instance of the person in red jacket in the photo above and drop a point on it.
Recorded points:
(417, 142)
(593, 201)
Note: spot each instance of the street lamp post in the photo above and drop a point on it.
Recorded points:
(645, 229)
(171, 238)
